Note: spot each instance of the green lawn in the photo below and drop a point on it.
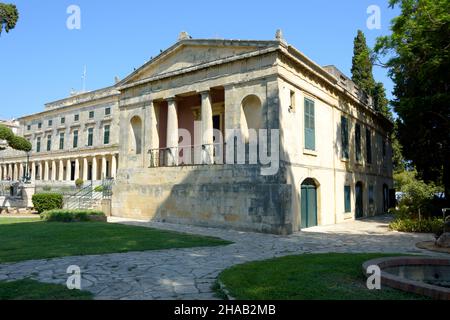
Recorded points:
(17, 220)
(306, 277)
(33, 290)
(41, 240)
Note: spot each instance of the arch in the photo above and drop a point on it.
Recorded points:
(252, 114)
(309, 203)
(135, 140)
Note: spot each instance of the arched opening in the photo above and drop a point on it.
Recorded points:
(385, 198)
(252, 115)
(135, 141)
(359, 198)
(308, 199)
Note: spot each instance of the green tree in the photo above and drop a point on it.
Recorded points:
(418, 53)
(362, 64)
(8, 17)
(13, 141)
(380, 102)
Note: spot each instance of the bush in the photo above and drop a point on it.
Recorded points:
(429, 225)
(73, 216)
(79, 183)
(47, 201)
(98, 189)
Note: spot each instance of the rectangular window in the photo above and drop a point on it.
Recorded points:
(90, 137)
(347, 199)
(49, 143)
(39, 125)
(106, 134)
(91, 114)
(369, 146)
(38, 144)
(371, 195)
(75, 139)
(28, 127)
(358, 142)
(61, 141)
(384, 148)
(50, 123)
(310, 127)
(63, 120)
(344, 137)
(76, 118)
(107, 111)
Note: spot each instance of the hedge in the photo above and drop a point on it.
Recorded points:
(428, 225)
(72, 216)
(47, 201)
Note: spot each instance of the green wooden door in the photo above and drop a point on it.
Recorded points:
(359, 211)
(308, 206)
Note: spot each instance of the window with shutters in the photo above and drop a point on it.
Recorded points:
(369, 146)
(344, 138)
(358, 142)
(310, 127)
(347, 199)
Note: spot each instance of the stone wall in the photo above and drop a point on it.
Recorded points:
(233, 196)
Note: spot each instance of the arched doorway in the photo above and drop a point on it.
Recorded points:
(385, 198)
(359, 206)
(308, 197)
(135, 141)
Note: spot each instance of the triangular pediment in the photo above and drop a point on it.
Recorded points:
(190, 53)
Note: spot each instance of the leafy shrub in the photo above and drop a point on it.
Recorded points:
(73, 216)
(429, 225)
(47, 201)
(98, 189)
(417, 197)
(79, 183)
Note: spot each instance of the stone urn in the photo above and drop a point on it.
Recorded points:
(444, 240)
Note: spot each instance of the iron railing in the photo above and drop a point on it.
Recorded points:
(205, 154)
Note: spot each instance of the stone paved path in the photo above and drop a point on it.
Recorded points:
(189, 273)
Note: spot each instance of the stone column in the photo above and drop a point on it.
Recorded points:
(207, 129)
(16, 170)
(94, 168)
(40, 171)
(20, 170)
(85, 169)
(172, 133)
(61, 170)
(46, 172)
(113, 166)
(151, 136)
(68, 170)
(77, 169)
(33, 170)
(53, 170)
(1, 172)
(104, 167)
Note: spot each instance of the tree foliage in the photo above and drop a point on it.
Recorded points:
(362, 64)
(8, 17)
(419, 64)
(13, 141)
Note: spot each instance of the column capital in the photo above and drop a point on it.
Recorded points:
(171, 99)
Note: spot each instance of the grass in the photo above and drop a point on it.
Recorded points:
(17, 220)
(306, 277)
(21, 239)
(32, 290)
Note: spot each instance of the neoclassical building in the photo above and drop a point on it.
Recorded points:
(73, 138)
(182, 139)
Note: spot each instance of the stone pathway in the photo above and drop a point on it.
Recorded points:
(189, 273)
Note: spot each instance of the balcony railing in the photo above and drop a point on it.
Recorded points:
(206, 154)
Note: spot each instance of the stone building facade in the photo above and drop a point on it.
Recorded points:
(186, 119)
(74, 138)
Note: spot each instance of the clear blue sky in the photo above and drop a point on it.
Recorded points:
(41, 60)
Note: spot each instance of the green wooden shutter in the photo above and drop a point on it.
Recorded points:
(310, 135)
(369, 146)
(347, 201)
(358, 142)
(344, 137)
